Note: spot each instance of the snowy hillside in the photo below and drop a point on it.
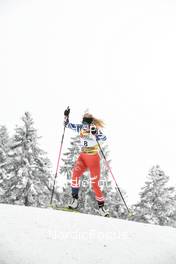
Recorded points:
(45, 236)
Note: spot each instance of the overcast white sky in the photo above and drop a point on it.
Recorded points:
(117, 58)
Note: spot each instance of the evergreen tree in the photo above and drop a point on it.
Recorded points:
(70, 157)
(4, 159)
(29, 171)
(115, 204)
(157, 200)
(174, 217)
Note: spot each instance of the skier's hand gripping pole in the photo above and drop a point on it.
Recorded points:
(66, 116)
(66, 120)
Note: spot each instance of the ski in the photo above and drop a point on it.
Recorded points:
(66, 209)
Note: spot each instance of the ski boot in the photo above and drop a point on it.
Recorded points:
(102, 210)
(73, 204)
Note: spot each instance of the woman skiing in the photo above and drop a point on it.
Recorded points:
(88, 158)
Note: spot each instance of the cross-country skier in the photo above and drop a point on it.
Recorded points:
(88, 158)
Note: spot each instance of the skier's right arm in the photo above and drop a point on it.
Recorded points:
(75, 127)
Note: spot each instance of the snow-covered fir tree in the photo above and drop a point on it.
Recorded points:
(115, 204)
(87, 200)
(157, 200)
(69, 157)
(29, 173)
(4, 159)
(174, 217)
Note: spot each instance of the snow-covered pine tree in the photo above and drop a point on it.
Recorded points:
(69, 157)
(174, 217)
(29, 171)
(4, 159)
(115, 204)
(157, 200)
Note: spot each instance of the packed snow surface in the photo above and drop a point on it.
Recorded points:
(45, 236)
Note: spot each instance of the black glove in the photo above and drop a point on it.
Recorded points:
(93, 130)
(66, 116)
(67, 112)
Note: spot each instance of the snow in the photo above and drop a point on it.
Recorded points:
(45, 236)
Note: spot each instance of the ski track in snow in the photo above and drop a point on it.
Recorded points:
(41, 236)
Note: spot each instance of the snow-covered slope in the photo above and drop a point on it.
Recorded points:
(45, 236)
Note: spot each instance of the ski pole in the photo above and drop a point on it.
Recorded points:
(107, 164)
(58, 161)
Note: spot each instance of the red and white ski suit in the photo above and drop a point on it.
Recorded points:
(88, 159)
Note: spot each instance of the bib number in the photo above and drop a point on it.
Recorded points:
(85, 143)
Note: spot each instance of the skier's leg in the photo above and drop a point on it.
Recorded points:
(77, 172)
(93, 163)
